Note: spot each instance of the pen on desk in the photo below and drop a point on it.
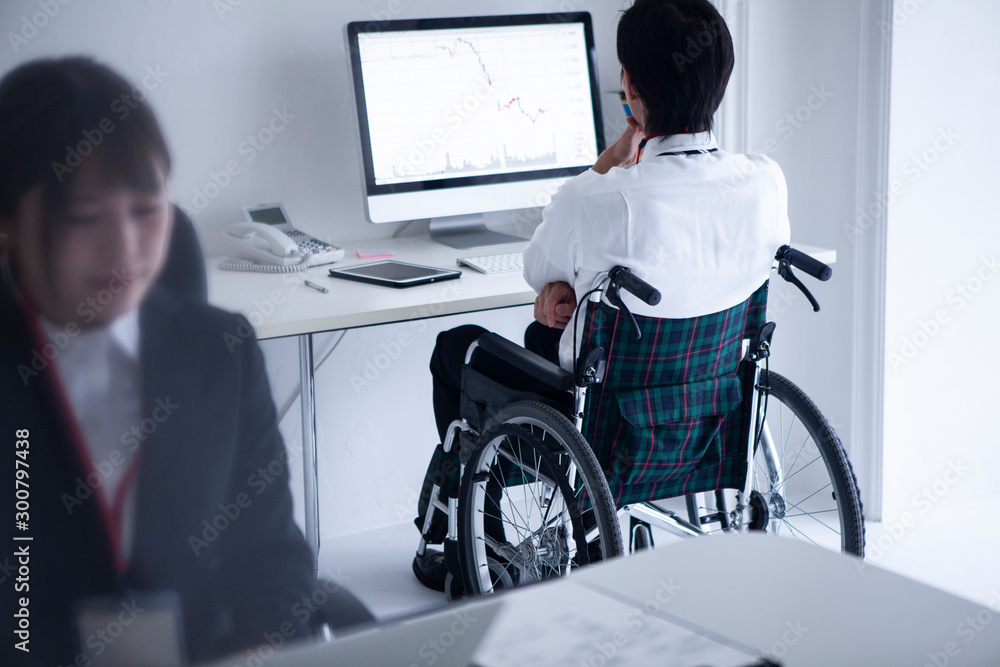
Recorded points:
(316, 287)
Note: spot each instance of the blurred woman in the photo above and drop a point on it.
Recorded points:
(155, 483)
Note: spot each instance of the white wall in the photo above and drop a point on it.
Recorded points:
(803, 94)
(226, 73)
(943, 288)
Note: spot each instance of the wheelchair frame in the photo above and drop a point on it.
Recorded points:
(753, 510)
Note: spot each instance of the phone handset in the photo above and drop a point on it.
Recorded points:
(263, 245)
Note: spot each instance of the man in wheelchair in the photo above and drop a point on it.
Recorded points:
(698, 223)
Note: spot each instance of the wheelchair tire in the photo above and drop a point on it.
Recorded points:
(819, 504)
(515, 525)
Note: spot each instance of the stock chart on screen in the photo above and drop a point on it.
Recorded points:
(460, 102)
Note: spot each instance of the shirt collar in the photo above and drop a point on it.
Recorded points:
(677, 143)
(124, 331)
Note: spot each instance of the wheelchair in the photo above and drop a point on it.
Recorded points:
(550, 462)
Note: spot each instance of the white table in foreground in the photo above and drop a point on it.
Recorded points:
(786, 599)
(726, 600)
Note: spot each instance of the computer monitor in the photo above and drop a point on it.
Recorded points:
(463, 116)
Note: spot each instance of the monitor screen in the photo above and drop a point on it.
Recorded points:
(467, 115)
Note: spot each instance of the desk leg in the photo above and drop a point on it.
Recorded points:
(310, 471)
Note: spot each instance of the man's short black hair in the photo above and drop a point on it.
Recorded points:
(679, 54)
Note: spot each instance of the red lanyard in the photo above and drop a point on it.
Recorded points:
(113, 516)
(642, 144)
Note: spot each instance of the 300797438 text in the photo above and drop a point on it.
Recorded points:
(22, 506)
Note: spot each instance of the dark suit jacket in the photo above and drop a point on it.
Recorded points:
(213, 448)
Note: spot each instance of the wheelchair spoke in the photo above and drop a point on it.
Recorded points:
(802, 447)
(803, 500)
(795, 531)
(818, 458)
(812, 515)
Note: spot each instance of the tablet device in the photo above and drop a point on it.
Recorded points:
(395, 274)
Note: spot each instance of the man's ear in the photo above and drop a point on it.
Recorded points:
(627, 83)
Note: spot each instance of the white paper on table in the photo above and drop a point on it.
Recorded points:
(574, 625)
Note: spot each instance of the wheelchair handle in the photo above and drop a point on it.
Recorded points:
(623, 277)
(800, 260)
(788, 257)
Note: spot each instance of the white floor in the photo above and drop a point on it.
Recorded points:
(953, 547)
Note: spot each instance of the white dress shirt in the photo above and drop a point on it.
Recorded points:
(703, 229)
(101, 374)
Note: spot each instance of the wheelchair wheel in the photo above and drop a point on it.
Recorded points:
(802, 485)
(533, 503)
(805, 483)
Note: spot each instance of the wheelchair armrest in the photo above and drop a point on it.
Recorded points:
(529, 362)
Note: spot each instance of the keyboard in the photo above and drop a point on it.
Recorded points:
(501, 263)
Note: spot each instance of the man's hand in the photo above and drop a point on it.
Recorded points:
(621, 153)
(555, 304)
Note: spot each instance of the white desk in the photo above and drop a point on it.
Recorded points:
(790, 601)
(279, 305)
(350, 304)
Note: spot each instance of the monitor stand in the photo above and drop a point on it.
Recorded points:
(467, 231)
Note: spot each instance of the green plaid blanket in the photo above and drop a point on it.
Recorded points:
(671, 417)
